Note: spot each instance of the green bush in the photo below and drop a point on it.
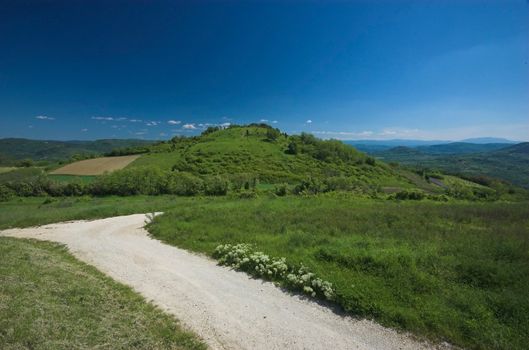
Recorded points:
(408, 195)
(184, 184)
(216, 186)
(6, 193)
(281, 190)
(243, 257)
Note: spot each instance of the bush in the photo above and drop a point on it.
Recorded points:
(216, 186)
(5, 193)
(281, 190)
(408, 195)
(243, 257)
(184, 184)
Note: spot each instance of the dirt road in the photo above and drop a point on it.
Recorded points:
(227, 308)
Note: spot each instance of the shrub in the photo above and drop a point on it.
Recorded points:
(281, 190)
(5, 193)
(216, 186)
(243, 257)
(408, 195)
(184, 184)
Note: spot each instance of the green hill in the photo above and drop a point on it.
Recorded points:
(510, 163)
(272, 156)
(259, 151)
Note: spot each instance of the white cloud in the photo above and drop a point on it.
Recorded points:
(151, 123)
(140, 133)
(30, 126)
(135, 120)
(309, 121)
(44, 117)
(163, 134)
(189, 126)
(264, 120)
(225, 125)
(84, 130)
(174, 122)
(274, 122)
(102, 118)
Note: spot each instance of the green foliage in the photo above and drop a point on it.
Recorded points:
(50, 300)
(269, 155)
(243, 257)
(281, 190)
(408, 195)
(6, 193)
(272, 134)
(216, 186)
(454, 271)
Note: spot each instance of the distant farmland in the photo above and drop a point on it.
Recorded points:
(96, 166)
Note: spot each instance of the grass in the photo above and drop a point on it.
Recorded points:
(455, 271)
(6, 169)
(20, 174)
(45, 210)
(450, 271)
(50, 300)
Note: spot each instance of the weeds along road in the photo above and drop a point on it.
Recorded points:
(228, 309)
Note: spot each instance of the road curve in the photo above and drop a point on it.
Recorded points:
(226, 308)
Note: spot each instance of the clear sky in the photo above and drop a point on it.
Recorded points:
(350, 70)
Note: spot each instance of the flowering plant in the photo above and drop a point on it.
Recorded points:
(242, 257)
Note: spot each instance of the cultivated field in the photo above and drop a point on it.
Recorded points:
(96, 166)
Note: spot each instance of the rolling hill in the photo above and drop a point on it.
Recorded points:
(502, 161)
(273, 156)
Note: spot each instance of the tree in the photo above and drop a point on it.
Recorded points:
(272, 134)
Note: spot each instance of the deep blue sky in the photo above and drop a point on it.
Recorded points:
(349, 70)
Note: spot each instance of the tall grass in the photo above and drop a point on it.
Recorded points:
(450, 271)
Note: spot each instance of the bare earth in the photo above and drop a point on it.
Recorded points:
(227, 308)
(96, 166)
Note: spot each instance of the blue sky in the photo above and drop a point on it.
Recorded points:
(351, 70)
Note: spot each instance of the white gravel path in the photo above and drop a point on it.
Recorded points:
(226, 308)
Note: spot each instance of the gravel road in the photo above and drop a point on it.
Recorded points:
(226, 308)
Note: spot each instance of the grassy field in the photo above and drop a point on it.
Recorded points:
(50, 300)
(455, 271)
(24, 212)
(6, 169)
(96, 166)
(450, 271)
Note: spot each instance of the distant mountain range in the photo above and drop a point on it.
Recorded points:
(505, 161)
(482, 144)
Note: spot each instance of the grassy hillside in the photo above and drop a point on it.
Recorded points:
(256, 150)
(509, 163)
(13, 150)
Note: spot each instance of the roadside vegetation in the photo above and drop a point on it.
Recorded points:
(450, 271)
(50, 300)
(33, 211)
